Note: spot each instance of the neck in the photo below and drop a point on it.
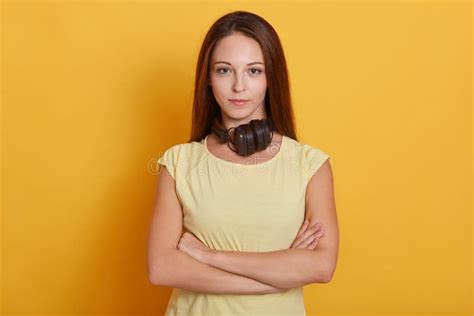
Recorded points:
(229, 122)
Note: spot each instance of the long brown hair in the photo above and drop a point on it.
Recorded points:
(277, 98)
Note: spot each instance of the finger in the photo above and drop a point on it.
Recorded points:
(297, 243)
(302, 235)
(303, 240)
(298, 246)
(308, 241)
(300, 241)
(313, 229)
(313, 244)
(316, 241)
(309, 225)
(303, 228)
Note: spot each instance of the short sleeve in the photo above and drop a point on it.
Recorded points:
(315, 158)
(170, 160)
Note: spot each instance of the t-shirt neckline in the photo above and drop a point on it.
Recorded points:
(235, 164)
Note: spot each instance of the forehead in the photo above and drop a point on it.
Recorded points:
(237, 48)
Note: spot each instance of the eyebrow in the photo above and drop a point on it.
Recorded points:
(225, 62)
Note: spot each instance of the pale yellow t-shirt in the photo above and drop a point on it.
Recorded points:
(239, 207)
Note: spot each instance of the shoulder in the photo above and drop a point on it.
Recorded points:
(182, 149)
(172, 154)
(178, 157)
(310, 157)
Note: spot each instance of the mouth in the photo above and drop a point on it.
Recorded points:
(238, 101)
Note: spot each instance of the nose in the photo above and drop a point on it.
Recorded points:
(238, 83)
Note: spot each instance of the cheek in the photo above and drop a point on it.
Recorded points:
(261, 82)
(219, 87)
(261, 86)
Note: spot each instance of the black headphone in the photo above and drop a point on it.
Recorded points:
(247, 138)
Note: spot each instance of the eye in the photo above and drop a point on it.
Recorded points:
(219, 70)
(255, 73)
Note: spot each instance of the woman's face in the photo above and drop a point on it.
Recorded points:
(237, 71)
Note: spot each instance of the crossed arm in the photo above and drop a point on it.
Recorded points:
(284, 269)
(290, 268)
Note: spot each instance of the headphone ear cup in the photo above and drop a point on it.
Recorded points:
(251, 140)
(247, 140)
(240, 141)
(266, 137)
(258, 127)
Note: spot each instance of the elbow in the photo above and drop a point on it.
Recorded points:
(157, 278)
(328, 274)
(158, 268)
(155, 273)
(159, 275)
(327, 277)
(322, 277)
(153, 278)
(324, 274)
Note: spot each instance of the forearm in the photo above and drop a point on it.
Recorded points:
(285, 269)
(177, 269)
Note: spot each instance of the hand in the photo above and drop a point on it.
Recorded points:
(191, 245)
(308, 238)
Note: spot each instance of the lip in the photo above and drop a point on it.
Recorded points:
(238, 101)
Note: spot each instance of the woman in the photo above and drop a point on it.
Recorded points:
(254, 202)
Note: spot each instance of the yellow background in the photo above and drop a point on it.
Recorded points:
(93, 92)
